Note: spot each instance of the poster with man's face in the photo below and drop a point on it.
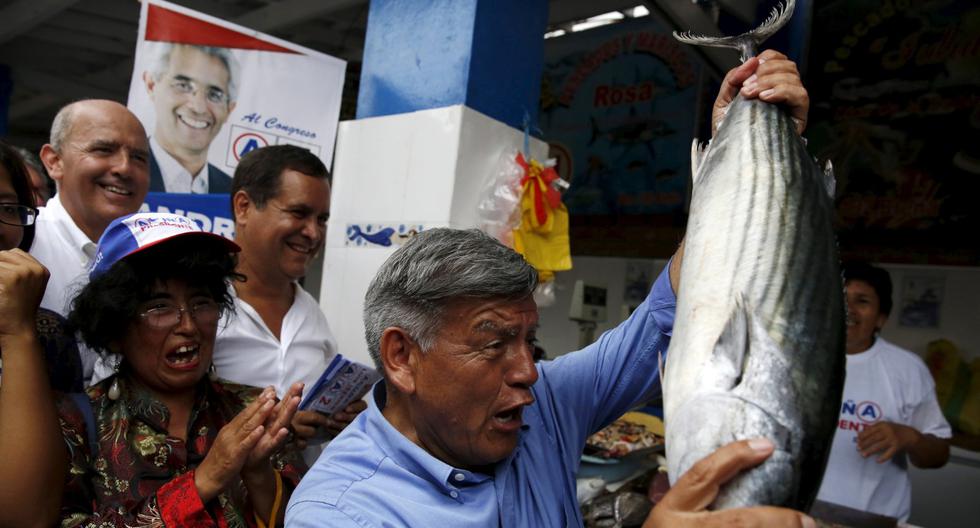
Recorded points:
(209, 92)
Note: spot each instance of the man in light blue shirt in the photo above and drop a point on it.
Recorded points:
(489, 398)
(466, 431)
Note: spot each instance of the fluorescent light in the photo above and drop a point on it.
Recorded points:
(589, 24)
(597, 21)
(612, 15)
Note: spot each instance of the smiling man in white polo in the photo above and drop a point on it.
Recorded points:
(98, 156)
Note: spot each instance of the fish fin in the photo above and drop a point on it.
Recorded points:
(763, 356)
(829, 181)
(743, 338)
(732, 346)
(697, 156)
(746, 43)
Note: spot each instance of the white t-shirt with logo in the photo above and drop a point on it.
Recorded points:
(884, 383)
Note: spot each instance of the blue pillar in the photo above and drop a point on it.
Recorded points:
(425, 54)
(6, 87)
(799, 39)
(794, 38)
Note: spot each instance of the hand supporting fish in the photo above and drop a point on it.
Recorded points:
(685, 505)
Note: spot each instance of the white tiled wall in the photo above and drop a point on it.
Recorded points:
(425, 167)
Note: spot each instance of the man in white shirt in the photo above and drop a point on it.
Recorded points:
(278, 334)
(193, 89)
(889, 409)
(99, 158)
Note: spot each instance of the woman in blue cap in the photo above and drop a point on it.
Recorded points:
(162, 442)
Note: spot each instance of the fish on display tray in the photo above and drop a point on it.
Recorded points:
(624, 436)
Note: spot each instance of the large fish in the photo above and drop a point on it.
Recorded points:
(758, 342)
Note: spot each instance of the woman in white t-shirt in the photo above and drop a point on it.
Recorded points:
(889, 413)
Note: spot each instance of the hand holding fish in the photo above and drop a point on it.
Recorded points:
(686, 502)
(772, 78)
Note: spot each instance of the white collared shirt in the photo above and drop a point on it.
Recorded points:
(65, 250)
(61, 246)
(247, 352)
(177, 179)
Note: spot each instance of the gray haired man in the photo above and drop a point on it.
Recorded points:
(467, 431)
(193, 89)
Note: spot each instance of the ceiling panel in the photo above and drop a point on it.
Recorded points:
(60, 50)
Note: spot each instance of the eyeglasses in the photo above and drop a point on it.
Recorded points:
(17, 215)
(164, 314)
(188, 87)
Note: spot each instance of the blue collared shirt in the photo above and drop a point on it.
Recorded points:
(373, 476)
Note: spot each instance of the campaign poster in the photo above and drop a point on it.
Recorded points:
(619, 108)
(209, 91)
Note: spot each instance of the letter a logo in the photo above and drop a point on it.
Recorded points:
(249, 147)
(868, 412)
(246, 143)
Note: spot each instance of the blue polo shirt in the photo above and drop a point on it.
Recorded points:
(372, 476)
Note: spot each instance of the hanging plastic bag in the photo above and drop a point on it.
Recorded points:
(543, 234)
(499, 209)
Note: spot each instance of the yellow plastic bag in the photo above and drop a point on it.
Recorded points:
(543, 234)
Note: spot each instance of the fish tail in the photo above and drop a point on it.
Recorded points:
(747, 43)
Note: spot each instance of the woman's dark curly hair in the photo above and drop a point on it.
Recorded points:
(106, 307)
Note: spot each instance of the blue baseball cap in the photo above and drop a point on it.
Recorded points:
(133, 233)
